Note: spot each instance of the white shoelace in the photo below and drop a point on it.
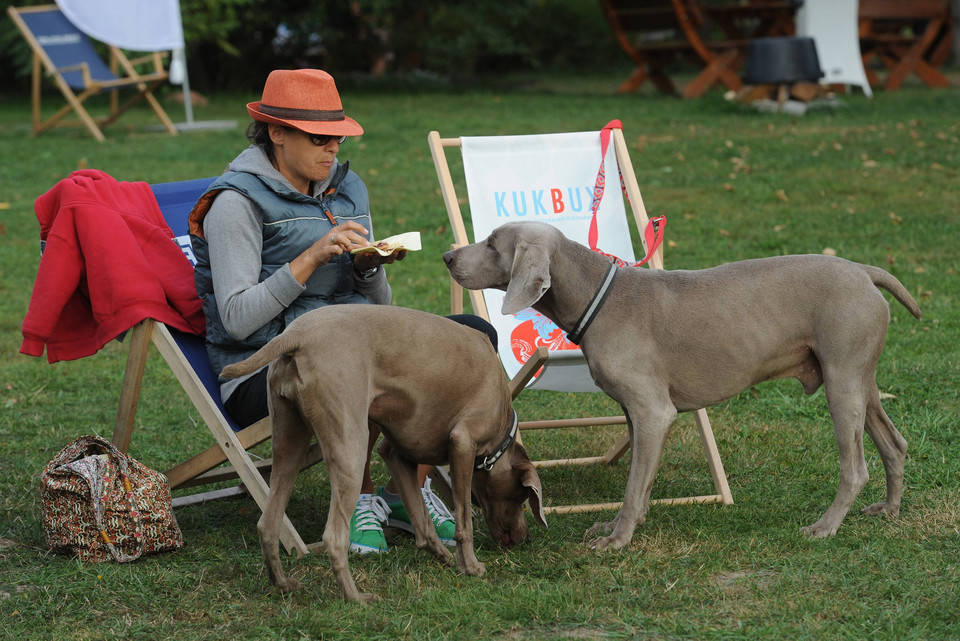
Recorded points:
(435, 507)
(371, 512)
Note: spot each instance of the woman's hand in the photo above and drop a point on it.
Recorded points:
(368, 260)
(341, 238)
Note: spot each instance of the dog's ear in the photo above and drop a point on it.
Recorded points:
(531, 481)
(529, 277)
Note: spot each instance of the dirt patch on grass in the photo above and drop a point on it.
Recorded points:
(935, 515)
(7, 544)
(744, 581)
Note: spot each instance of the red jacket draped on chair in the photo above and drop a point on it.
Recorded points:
(108, 263)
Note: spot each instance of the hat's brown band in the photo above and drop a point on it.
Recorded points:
(302, 114)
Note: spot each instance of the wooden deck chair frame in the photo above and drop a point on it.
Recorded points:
(543, 356)
(123, 71)
(186, 357)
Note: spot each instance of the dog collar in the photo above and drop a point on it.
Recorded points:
(486, 462)
(588, 315)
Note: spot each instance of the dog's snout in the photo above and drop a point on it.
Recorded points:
(514, 533)
(511, 539)
(448, 257)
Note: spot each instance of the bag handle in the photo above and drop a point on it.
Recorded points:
(81, 447)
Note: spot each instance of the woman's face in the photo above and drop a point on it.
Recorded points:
(303, 158)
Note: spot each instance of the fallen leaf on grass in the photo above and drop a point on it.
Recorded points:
(829, 251)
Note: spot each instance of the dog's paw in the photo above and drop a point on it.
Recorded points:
(608, 543)
(600, 528)
(352, 595)
(437, 549)
(881, 508)
(469, 564)
(287, 585)
(444, 556)
(818, 531)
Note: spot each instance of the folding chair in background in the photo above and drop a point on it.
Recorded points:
(834, 29)
(658, 33)
(68, 56)
(912, 37)
(187, 357)
(553, 178)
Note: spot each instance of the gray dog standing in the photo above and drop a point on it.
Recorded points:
(437, 392)
(664, 342)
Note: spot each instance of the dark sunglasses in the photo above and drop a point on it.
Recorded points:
(323, 141)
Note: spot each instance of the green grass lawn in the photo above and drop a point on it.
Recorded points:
(875, 181)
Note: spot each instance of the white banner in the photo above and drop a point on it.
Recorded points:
(135, 25)
(548, 178)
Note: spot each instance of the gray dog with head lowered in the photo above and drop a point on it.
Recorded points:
(437, 392)
(664, 342)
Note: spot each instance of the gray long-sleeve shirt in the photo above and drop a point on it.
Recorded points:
(233, 230)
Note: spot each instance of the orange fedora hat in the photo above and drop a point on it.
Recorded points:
(305, 99)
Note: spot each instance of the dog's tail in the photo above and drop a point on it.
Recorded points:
(282, 344)
(884, 279)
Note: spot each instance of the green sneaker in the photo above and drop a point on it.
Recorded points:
(443, 521)
(366, 529)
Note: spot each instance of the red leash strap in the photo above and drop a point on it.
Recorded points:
(601, 181)
(653, 234)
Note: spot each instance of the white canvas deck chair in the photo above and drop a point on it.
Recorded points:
(552, 178)
(833, 27)
(65, 54)
(187, 357)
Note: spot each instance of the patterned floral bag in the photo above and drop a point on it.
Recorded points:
(99, 504)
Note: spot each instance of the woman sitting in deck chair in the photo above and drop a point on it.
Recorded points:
(272, 237)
